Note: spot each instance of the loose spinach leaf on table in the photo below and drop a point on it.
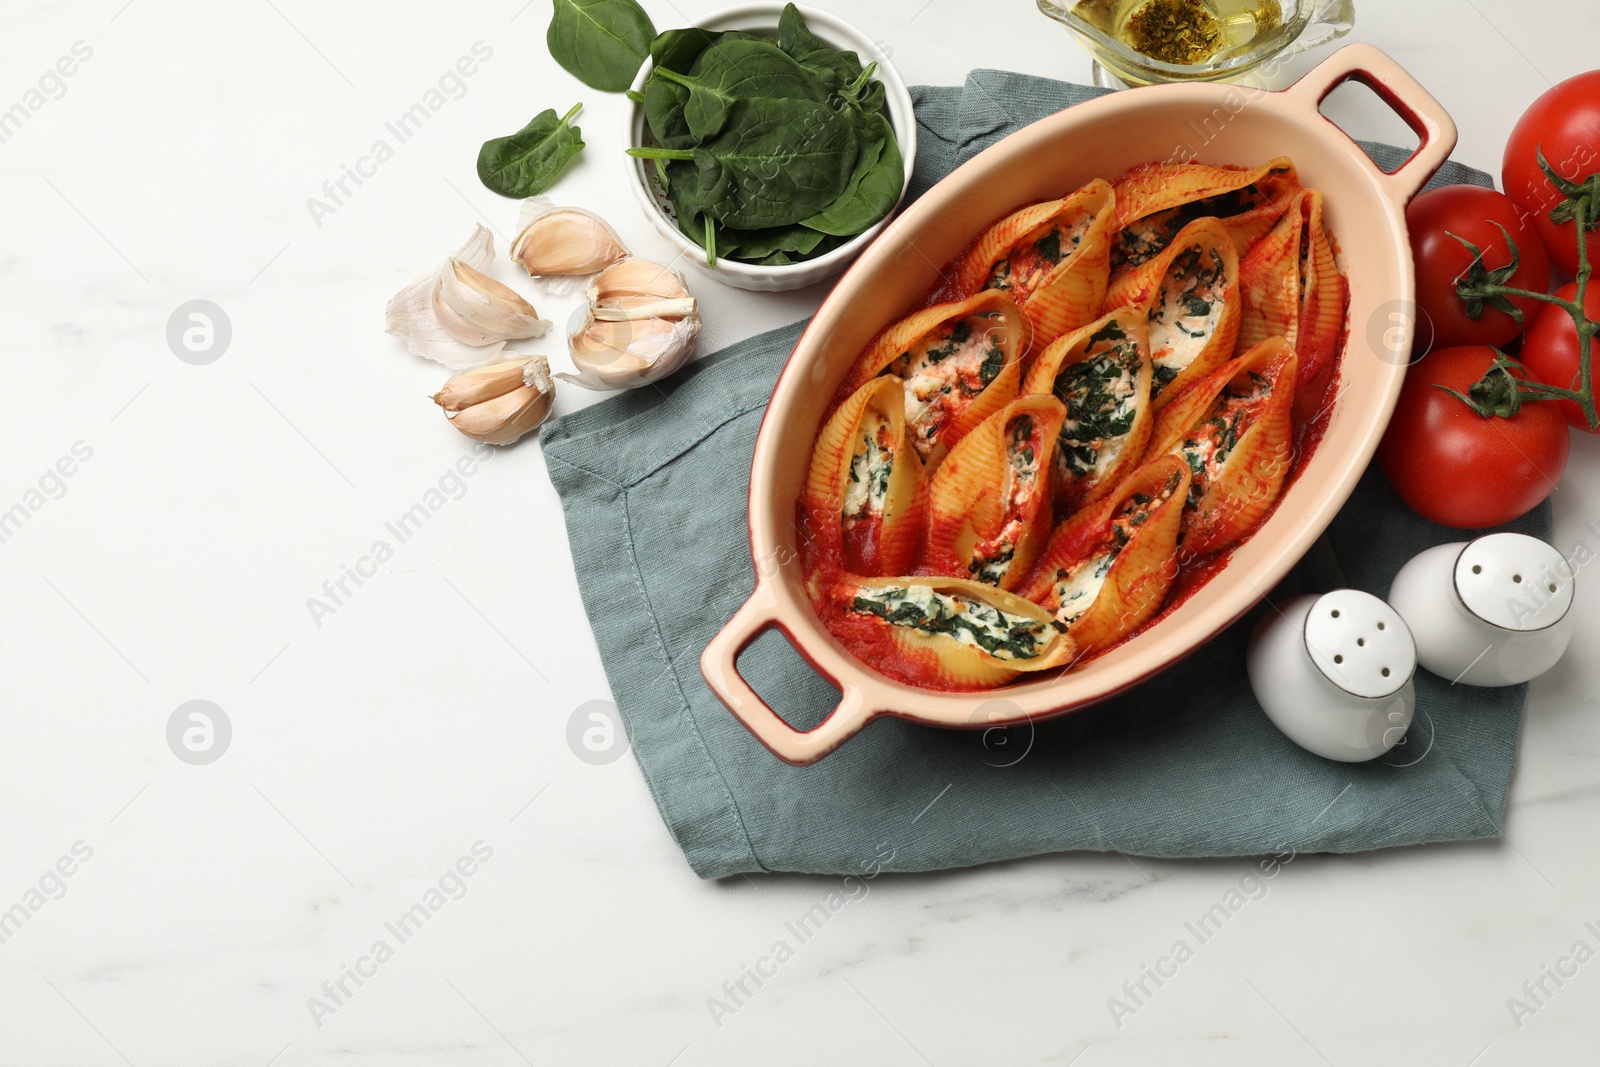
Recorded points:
(875, 184)
(602, 43)
(777, 162)
(528, 162)
(730, 71)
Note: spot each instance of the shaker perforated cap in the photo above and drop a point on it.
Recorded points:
(1514, 581)
(1360, 643)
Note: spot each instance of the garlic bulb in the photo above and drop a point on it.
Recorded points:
(499, 403)
(640, 327)
(458, 315)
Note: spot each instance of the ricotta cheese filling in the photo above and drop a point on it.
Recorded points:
(992, 558)
(1145, 239)
(946, 370)
(1078, 587)
(1185, 314)
(871, 465)
(1098, 392)
(977, 625)
(1207, 447)
(1024, 268)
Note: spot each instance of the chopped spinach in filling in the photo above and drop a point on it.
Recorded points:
(946, 370)
(1099, 396)
(978, 625)
(871, 467)
(1208, 446)
(1038, 254)
(992, 559)
(1144, 239)
(1188, 311)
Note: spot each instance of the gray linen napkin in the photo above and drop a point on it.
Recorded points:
(653, 484)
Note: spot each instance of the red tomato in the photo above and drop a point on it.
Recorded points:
(1461, 469)
(1471, 212)
(1564, 122)
(1550, 348)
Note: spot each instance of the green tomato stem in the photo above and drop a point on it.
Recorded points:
(1583, 396)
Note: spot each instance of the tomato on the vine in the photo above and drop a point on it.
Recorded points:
(1462, 469)
(1471, 212)
(1563, 124)
(1550, 348)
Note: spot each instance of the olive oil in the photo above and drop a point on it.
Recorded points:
(1183, 31)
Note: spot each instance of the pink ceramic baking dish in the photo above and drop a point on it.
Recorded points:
(1212, 123)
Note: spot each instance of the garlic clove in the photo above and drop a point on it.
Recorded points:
(503, 416)
(474, 386)
(476, 309)
(633, 281)
(566, 241)
(458, 315)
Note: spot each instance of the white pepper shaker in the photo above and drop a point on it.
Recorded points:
(1495, 611)
(1333, 672)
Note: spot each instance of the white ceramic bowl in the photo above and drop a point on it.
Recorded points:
(762, 19)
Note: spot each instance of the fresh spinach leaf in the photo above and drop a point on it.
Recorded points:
(731, 71)
(663, 111)
(796, 38)
(678, 49)
(872, 98)
(602, 43)
(528, 162)
(760, 244)
(775, 163)
(875, 185)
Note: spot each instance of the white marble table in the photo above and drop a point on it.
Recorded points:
(423, 718)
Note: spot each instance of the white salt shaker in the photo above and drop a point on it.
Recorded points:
(1333, 672)
(1495, 611)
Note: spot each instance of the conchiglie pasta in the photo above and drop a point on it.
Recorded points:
(1292, 287)
(1054, 258)
(965, 634)
(1107, 570)
(1235, 431)
(866, 486)
(989, 507)
(1105, 391)
(957, 363)
(1101, 373)
(1156, 200)
(1190, 297)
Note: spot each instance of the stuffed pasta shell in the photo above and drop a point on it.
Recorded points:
(956, 633)
(1053, 258)
(1190, 297)
(1156, 200)
(866, 491)
(989, 507)
(1235, 432)
(957, 364)
(1101, 373)
(1107, 569)
(1292, 287)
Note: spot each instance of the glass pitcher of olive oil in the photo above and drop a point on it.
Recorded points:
(1143, 41)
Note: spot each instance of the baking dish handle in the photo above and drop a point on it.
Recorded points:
(719, 666)
(1405, 96)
